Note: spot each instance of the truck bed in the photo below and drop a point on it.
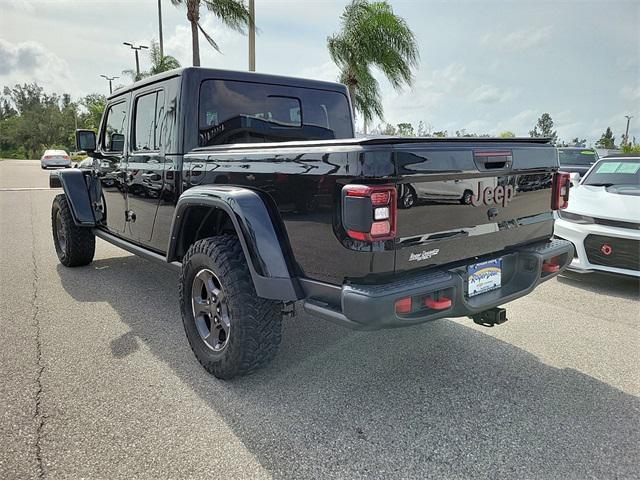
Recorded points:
(304, 179)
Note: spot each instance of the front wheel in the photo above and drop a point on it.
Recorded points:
(231, 330)
(74, 245)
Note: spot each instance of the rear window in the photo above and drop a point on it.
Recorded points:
(577, 157)
(241, 112)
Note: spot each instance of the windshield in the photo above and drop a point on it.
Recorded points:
(615, 172)
(577, 157)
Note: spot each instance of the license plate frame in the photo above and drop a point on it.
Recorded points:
(484, 277)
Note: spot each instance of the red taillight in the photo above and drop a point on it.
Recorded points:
(380, 198)
(560, 191)
(369, 212)
(66, 157)
(47, 157)
(404, 305)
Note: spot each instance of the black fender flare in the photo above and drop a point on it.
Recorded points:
(259, 229)
(74, 184)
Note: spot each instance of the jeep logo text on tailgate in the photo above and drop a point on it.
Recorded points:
(488, 195)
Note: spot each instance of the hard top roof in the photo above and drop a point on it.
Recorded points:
(213, 73)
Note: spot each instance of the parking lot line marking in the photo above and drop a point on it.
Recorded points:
(23, 189)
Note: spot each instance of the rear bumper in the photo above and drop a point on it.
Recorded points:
(372, 307)
(55, 163)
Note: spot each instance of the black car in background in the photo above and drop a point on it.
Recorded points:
(577, 159)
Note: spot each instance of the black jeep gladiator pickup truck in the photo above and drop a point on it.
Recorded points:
(255, 187)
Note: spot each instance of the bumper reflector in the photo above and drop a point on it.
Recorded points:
(403, 305)
(441, 304)
(551, 265)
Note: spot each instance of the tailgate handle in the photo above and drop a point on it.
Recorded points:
(493, 159)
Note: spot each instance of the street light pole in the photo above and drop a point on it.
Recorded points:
(626, 134)
(160, 28)
(136, 49)
(252, 36)
(110, 79)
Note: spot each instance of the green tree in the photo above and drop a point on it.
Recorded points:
(507, 134)
(388, 129)
(576, 142)
(371, 35)
(607, 140)
(406, 130)
(544, 128)
(33, 120)
(423, 130)
(631, 148)
(94, 105)
(232, 13)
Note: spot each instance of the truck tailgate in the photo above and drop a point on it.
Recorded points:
(464, 200)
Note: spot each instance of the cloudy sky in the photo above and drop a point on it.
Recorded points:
(486, 66)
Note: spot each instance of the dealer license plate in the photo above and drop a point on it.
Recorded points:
(484, 276)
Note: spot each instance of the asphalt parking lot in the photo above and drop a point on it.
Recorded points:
(98, 380)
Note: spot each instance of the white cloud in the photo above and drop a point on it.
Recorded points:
(327, 71)
(492, 94)
(631, 93)
(21, 5)
(31, 60)
(518, 40)
(178, 44)
(628, 63)
(428, 91)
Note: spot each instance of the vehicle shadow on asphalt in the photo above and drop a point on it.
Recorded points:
(438, 400)
(620, 286)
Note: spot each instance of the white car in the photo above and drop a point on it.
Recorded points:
(55, 158)
(603, 217)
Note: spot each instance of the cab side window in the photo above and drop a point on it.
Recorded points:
(148, 113)
(115, 128)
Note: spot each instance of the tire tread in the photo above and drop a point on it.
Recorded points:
(256, 322)
(81, 242)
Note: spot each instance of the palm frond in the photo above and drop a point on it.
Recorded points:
(371, 35)
(232, 13)
(211, 41)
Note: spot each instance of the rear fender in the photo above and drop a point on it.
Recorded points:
(259, 230)
(74, 184)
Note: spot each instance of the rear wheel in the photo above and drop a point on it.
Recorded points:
(74, 245)
(231, 330)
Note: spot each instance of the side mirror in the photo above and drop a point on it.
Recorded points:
(574, 177)
(86, 140)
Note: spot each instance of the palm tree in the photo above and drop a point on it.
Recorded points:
(371, 35)
(159, 63)
(232, 13)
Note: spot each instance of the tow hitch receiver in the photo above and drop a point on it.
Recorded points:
(489, 318)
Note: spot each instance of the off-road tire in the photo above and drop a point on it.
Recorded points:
(256, 323)
(79, 244)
